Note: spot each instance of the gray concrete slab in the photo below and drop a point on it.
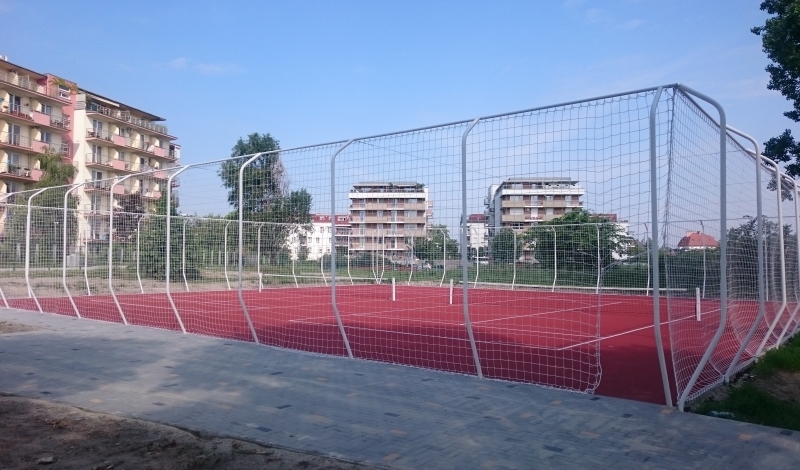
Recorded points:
(389, 415)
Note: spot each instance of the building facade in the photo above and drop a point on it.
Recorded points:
(386, 216)
(520, 203)
(114, 140)
(102, 138)
(34, 118)
(477, 232)
(315, 242)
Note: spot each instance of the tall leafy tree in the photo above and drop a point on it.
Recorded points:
(780, 38)
(266, 196)
(437, 244)
(575, 239)
(47, 215)
(503, 246)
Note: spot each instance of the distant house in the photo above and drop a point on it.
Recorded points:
(697, 241)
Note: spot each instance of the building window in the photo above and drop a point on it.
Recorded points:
(362, 215)
(380, 213)
(549, 211)
(410, 214)
(516, 186)
(317, 239)
(394, 216)
(47, 109)
(568, 198)
(97, 175)
(46, 136)
(548, 198)
(516, 211)
(412, 200)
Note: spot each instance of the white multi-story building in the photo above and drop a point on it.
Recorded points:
(102, 138)
(116, 140)
(385, 216)
(477, 232)
(520, 203)
(315, 242)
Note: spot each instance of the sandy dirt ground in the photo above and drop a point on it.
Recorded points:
(35, 434)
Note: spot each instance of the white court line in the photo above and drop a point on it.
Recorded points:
(542, 313)
(692, 317)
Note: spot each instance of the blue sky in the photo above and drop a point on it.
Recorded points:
(318, 71)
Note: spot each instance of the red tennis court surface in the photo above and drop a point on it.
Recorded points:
(559, 339)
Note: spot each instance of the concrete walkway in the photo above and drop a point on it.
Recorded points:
(386, 415)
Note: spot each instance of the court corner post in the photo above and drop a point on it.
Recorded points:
(168, 251)
(31, 293)
(333, 249)
(241, 242)
(464, 248)
(64, 249)
(723, 243)
(662, 363)
(759, 253)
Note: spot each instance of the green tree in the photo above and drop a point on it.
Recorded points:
(266, 196)
(437, 244)
(47, 214)
(153, 245)
(503, 246)
(780, 38)
(575, 239)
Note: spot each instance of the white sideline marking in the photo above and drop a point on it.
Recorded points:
(624, 333)
(541, 313)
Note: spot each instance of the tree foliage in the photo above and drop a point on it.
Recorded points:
(274, 210)
(503, 246)
(436, 245)
(47, 214)
(575, 241)
(780, 38)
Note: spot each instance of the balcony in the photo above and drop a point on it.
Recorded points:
(98, 186)
(93, 211)
(98, 160)
(35, 118)
(19, 173)
(150, 194)
(126, 117)
(23, 82)
(99, 134)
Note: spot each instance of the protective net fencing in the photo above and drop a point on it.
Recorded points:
(511, 247)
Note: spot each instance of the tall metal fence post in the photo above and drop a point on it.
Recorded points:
(64, 251)
(599, 261)
(138, 252)
(514, 263)
(241, 244)
(464, 249)
(3, 202)
(784, 301)
(723, 245)
(183, 255)
(797, 239)
(168, 251)
(662, 363)
(111, 245)
(759, 254)
(555, 260)
(225, 258)
(31, 293)
(333, 250)
(703, 237)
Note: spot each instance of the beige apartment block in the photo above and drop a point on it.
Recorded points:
(521, 203)
(386, 216)
(115, 140)
(34, 117)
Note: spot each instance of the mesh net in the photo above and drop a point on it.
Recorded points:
(551, 252)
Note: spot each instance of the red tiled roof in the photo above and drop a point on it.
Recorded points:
(697, 240)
